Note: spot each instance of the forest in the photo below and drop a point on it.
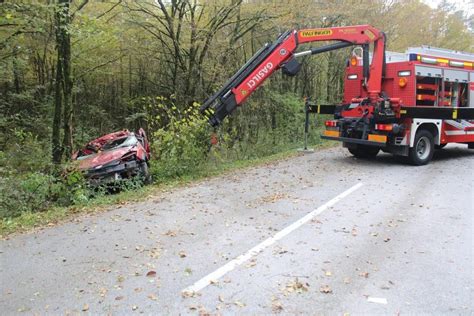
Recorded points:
(73, 70)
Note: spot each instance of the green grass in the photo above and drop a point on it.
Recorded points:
(56, 215)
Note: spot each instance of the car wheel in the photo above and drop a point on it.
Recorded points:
(145, 173)
(361, 151)
(423, 148)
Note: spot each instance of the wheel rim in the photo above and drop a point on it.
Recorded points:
(423, 148)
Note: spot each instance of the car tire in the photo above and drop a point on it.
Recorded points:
(366, 152)
(423, 148)
(145, 173)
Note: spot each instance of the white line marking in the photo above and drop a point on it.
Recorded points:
(231, 265)
(378, 300)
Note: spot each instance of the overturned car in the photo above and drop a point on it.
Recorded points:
(115, 156)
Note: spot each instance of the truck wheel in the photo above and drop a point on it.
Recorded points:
(423, 148)
(361, 151)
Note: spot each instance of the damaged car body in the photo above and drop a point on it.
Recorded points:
(115, 156)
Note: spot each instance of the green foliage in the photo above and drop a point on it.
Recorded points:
(182, 144)
(30, 183)
(38, 191)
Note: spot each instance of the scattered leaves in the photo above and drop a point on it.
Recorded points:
(239, 303)
(182, 254)
(295, 287)
(153, 297)
(326, 289)
(188, 294)
(151, 274)
(85, 308)
(170, 233)
(277, 306)
(364, 274)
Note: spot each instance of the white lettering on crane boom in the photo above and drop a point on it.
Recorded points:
(259, 76)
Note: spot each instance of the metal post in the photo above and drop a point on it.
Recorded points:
(306, 127)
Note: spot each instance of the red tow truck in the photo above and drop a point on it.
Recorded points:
(406, 105)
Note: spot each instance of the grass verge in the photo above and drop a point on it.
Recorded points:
(56, 215)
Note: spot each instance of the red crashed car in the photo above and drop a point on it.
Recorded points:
(115, 156)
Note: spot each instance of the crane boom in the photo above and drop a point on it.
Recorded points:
(282, 54)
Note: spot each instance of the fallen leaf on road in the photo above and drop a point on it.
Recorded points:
(119, 298)
(277, 307)
(364, 274)
(151, 274)
(170, 233)
(138, 289)
(239, 304)
(120, 278)
(85, 308)
(387, 239)
(182, 254)
(328, 273)
(134, 307)
(354, 232)
(154, 252)
(102, 292)
(188, 294)
(295, 286)
(325, 289)
(152, 297)
(221, 299)
(347, 280)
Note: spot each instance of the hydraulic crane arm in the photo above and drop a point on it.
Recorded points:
(282, 54)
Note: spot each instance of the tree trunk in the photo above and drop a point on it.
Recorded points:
(65, 45)
(56, 142)
(63, 85)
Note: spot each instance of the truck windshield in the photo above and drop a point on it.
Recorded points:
(121, 142)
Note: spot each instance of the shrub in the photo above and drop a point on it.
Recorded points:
(182, 145)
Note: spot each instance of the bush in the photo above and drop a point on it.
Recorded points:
(182, 145)
(30, 183)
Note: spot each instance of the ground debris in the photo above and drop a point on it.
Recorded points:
(295, 286)
(326, 289)
(364, 274)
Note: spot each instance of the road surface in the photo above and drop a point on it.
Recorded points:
(321, 233)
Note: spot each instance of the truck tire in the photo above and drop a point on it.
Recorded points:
(423, 148)
(361, 151)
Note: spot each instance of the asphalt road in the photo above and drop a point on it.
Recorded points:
(331, 234)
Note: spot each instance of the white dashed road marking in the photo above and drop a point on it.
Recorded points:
(231, 265)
